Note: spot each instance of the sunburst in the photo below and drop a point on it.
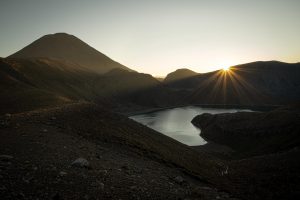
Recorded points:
(226, 68)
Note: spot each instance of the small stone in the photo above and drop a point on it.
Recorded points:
(94, 184)
(6, 157)
(138, 171)
(125, 167)
(3, 188)
(101, 186)
(204, 188)
(56, 197)
(62, 173)
(179, 179)
(21, 195)
(103, 172)
(133, 187)
(81, 162)
(4, 124)
(26, 180)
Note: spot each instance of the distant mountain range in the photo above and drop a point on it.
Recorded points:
(269, 82)
(60, 68)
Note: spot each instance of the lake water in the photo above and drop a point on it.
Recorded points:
(176, 122)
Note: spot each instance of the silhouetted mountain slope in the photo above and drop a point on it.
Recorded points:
(179, 74)
(19, 93)
(68, 48)
(40, 82)
(252, 83)
(55, 76)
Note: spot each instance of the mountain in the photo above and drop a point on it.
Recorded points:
(68, 48)
(255, 83)
(179, 74)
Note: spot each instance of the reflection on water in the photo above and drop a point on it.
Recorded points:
(176, 122)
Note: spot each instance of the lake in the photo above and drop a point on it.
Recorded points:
(176, 122)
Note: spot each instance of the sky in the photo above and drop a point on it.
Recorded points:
(160, 36)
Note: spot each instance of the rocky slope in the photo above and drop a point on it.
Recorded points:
(82, 151)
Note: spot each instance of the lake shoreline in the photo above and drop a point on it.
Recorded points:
(227, 106)
(176, 123)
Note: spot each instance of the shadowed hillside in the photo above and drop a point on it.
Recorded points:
(27, 84)
(68, 48)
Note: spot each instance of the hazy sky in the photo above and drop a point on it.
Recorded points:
(159, 36)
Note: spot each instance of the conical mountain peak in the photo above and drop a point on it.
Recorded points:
(69, 48)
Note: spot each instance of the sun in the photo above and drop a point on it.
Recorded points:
(226, 68)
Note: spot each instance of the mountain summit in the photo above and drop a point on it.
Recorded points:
(180, 74)
(69, 48)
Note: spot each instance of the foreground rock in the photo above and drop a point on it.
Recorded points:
(81, 162)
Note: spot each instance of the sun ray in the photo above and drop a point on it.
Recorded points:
(226, 68)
